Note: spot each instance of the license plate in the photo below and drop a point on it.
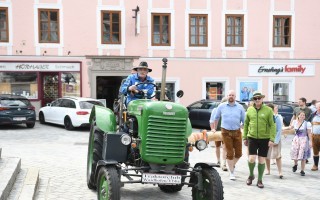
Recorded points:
(19, 118)
(161, 178)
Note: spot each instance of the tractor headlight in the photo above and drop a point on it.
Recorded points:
(125, 139)
(201, 145)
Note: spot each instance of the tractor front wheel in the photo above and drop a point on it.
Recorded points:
(108, 183)
(212, 186)
(94, 153)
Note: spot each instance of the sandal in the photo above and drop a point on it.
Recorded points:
(294, 168)
(281, 177)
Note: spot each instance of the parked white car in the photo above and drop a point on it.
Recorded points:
(68, 111)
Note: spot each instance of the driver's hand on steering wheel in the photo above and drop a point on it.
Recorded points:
(133, 88)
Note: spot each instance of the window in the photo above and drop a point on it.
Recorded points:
(48, 26)
(215, 90)
(70, 83)
(111, 27)
(282, 31)
(169, 92)
(19, 83)
(280, 91)
(56, 103)
(234, 31)
(161, 29)
(198, 26)
(4, 33)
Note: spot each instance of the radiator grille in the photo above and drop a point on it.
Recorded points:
(166, 137)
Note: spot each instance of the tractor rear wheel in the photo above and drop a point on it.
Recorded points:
(108, 183)
(212, 186)
(94, 153)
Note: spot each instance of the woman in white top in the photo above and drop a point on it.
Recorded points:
(301, 143)
(275, 150)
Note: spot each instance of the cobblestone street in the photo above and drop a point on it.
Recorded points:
(61, 157)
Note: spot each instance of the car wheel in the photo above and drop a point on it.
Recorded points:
(30, 125)
(41, 118)
(68, 124)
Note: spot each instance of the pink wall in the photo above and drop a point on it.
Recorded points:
(188, 65)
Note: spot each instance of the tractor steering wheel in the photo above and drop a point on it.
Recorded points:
(138, 93)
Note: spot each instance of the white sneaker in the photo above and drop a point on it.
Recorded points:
(232, 176)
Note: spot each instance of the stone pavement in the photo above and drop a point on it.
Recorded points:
(61, 155)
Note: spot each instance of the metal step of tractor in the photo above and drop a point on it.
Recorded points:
(9, 169)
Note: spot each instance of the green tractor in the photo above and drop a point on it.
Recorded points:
(148, 145)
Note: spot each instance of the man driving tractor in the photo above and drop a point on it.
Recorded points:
(130, 86)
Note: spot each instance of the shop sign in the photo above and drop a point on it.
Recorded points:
(30, 66)
(281, 69)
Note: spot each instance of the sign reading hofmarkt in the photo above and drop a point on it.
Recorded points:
(282, 69)
(38, 66)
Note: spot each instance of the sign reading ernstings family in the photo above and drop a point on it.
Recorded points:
(281, 69)
(35, 66)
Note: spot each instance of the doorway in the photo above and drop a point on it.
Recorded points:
(50, 85)
(108, 88)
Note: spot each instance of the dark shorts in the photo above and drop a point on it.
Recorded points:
(258, 147)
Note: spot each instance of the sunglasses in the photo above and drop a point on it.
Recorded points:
(256, 98)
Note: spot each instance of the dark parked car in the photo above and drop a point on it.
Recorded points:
(285, 109)
(200, 112)
(16, 110)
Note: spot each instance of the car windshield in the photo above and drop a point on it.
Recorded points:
(14, 102)
(89, 104)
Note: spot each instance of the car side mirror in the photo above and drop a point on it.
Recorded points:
(180, 94)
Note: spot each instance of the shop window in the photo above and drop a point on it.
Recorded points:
(70, 82)
(280, 91)
(215, 90)
(282, 31)
(111, 27)
(198, 27)
(19, 83)
(160, 29)
(170, 91)
(48, 26)
(234, 31)
(4, 33)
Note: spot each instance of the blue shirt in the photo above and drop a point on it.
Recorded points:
(133, 79)
(279, 121)
(232, 115)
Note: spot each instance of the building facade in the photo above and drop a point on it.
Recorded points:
(54, 48)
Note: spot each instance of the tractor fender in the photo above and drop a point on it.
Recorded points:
(202, 165)
(104, 118)
(206, 165)
(102, 163)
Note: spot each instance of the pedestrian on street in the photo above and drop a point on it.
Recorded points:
(232, 115)
(300, 148)
(275, 150)
(302, 107)
(258, 134)
(218, 144)
(313, 107)
(316, 137)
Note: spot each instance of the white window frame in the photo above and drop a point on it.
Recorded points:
(290, 81)
(225, 80)
(8, 44)
(101, 46)
(44, 46)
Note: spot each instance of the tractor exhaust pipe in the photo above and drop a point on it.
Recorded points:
(163, 81)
